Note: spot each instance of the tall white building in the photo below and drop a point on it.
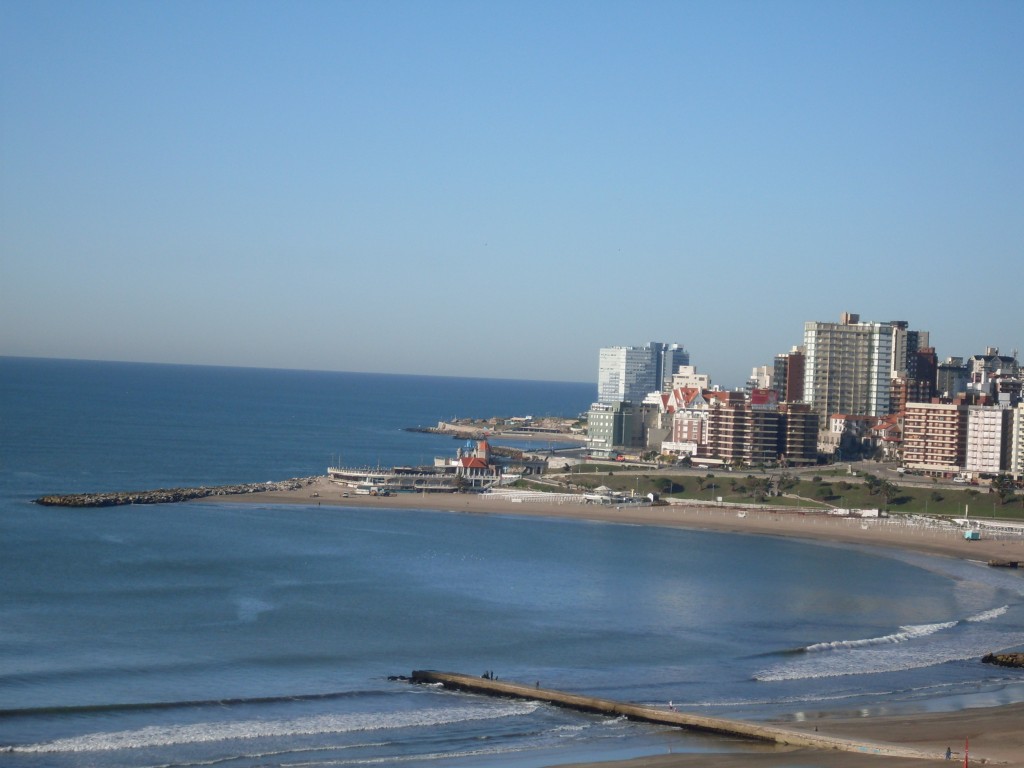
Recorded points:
(629, 374)
(848, 367)
(988, 439)
(761, 377)
(1017, 443)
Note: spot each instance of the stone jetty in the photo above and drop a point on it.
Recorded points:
(168, 495)
(490, 686)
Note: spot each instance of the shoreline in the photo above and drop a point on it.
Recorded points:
(880, 532)
(995, 733)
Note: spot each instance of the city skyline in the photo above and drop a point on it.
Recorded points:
(500, 191)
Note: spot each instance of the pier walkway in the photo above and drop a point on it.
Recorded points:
(665, 716)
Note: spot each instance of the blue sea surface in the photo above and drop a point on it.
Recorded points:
(260, 635)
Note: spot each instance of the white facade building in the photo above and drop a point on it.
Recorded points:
(988, 439)
(762, 377)
(1017, 443)
(688, 378)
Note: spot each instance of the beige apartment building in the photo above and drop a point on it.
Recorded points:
(935, 437)
(863, 368)
(741, 433)
(848, 366)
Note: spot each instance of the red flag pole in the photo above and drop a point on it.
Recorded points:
(966, 741)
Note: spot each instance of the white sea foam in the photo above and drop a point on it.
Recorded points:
(865, 662)
(172, 735)
(909, 632)
(969, 645)
(570, 728)
(989, 615)
(893, 653)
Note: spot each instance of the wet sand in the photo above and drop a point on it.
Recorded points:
(996, 735)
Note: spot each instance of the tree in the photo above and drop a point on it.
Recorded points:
(759, 488)
(889, 491)
(786, 482)
(668, 485)
(1003, 485)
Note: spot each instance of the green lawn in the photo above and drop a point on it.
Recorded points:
(823, 492)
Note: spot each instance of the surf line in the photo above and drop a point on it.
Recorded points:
(661, 716)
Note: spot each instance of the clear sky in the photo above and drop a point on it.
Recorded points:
(499, 189)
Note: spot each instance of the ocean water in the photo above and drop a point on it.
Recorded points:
(248, 635)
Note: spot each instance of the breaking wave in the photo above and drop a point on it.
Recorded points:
(911, 647)
(989, 615)
(907, 633)
(173, 735)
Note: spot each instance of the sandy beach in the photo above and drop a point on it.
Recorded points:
(996, 735)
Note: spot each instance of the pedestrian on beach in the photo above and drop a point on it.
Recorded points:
(949, 753)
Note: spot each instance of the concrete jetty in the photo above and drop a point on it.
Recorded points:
(664, 715)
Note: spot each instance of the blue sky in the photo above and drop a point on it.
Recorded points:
(499, 189)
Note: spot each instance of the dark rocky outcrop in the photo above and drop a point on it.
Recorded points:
(1004, 659)
(167, 495)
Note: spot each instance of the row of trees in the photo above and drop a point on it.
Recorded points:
(762, 488)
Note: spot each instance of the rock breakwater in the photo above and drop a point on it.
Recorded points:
(168, 495)
(1005, 659)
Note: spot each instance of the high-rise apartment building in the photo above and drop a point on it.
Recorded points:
(951, 377)
(670, 358)
(905, 346)
(762, 377)
(744, 431)
(629, 374)
(1017, 443)
(989, 439)
(788, 378)
(611, 426)
(849, 365)
(798, 434)
(935, 437)
(922, 387)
